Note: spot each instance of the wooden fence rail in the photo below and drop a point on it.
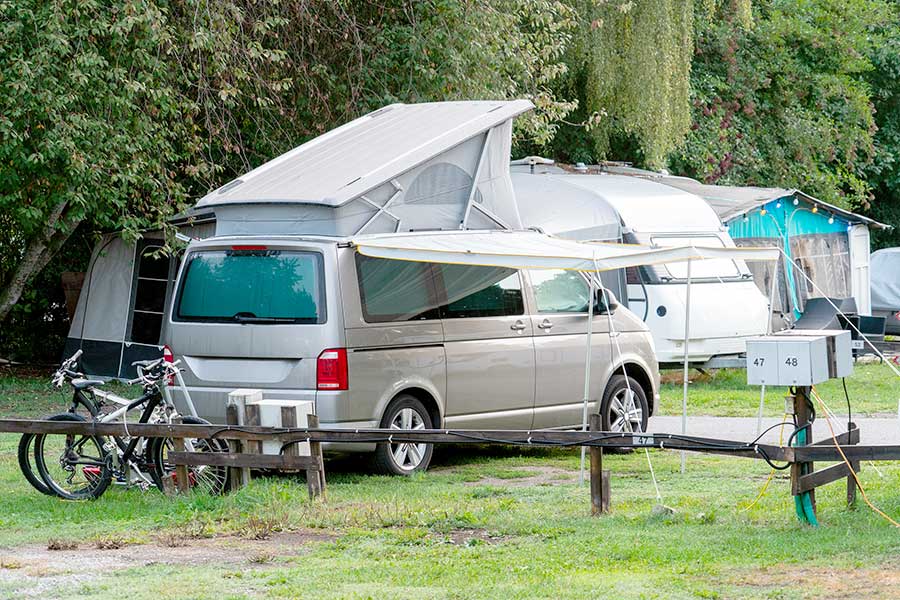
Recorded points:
(240, 459)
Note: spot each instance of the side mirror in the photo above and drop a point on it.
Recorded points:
(605, 302)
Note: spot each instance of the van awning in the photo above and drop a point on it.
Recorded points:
(533, 250)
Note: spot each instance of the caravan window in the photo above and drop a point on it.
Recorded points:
(713, 268)
(252, 286)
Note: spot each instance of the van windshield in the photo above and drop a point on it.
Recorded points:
(252, 286)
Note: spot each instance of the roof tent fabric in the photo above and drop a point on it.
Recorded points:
(532, 250)
(885, 265)
(405, 167)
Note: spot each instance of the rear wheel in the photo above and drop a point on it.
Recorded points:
(26, 464)
(405, 412)
(74, 467)
(208, 478)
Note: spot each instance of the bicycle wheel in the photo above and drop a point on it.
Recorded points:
(208, 478)
(26, 464)
(74, 467)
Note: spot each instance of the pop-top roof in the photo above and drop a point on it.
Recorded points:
(357, 157)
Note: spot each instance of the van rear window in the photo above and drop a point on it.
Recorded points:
(252, 286)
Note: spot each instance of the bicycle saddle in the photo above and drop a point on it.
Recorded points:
(83, 384)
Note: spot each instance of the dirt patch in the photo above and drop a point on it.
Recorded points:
(823, 582)
(35, 570)
(471, 537)
(538, 476)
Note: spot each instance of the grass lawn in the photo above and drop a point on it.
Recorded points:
(483, 523)
(873, 388)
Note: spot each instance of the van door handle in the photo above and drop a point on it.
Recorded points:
(546, 324)
(518, 326)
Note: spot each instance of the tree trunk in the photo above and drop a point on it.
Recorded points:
(38, 253)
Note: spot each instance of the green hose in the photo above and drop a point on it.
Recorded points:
(803, 502)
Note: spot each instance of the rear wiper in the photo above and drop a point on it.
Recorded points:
(248, 317)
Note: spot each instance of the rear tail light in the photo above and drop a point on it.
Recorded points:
(169, 357)
(331, 369)
(897, 316)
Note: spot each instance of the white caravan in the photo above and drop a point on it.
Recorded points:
(726, 305)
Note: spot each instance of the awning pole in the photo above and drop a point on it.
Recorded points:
(687, 337)
(587, 370)
(762, 388)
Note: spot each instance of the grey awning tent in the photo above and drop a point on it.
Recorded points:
(118, 318)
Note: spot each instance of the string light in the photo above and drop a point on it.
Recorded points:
(796, 201)
(763, 211)
(746, 217)
(831, 219)
(815, 209)
(778, 204)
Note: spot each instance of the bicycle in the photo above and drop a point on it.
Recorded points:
(82, 467)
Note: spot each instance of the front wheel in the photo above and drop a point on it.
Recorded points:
(624, 408)
(74, 467)
(209, 478)
(405, 412)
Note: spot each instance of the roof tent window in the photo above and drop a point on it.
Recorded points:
(716, 268)
(149, 297)
(480, 291)
(258, 286)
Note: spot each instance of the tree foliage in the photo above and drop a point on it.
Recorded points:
(786, 101)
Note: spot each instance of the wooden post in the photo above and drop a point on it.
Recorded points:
(803, 414)
(315, 478)
(854, 464)
(181, 471)
(599, 477)
(238, 476)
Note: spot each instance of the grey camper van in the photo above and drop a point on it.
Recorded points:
(386, 343)
(278, 299)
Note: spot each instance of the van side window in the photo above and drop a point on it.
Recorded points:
(558, 291)
(480, 291)
(395, 290)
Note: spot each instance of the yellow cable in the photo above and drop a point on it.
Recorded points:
(772, 472)
(849, 467)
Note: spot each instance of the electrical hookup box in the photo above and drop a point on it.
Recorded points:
(799, 357)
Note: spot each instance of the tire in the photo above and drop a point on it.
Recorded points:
(613, 405)
(211, 479)
(55, 460)
(26, 464)
(404, 412)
